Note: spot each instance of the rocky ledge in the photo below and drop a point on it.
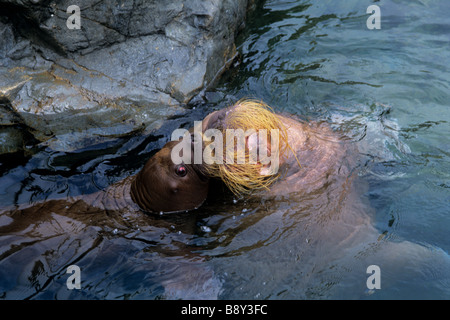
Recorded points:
(111, 67)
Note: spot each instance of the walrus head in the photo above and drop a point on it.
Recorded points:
(162, 186)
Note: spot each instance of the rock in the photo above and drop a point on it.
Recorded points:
(132, 63)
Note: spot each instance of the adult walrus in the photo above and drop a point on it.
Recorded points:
(315, 182)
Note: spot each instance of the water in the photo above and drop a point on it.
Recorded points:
(386, 90)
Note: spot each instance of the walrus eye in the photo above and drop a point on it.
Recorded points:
(181, 170)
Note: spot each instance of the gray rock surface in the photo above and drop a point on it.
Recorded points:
(131, 64)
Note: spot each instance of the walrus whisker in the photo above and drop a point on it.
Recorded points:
(243, 176)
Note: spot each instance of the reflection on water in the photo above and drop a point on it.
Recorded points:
(385, 91)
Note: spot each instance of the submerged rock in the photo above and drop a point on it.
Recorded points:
(131, 64)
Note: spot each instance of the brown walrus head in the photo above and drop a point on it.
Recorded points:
(162, 186)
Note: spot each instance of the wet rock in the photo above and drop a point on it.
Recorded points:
(131, 64)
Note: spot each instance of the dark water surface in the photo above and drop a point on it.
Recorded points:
(386, 90)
